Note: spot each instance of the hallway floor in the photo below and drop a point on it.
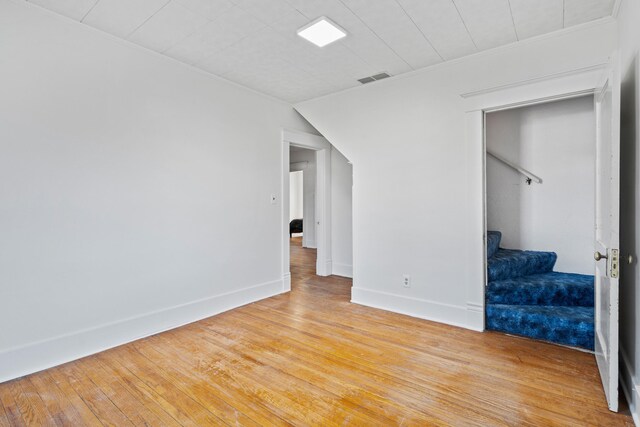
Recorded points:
(310, 357)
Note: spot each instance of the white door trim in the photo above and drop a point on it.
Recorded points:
(323, 200)
(559, 86)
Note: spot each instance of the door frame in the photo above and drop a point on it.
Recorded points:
(555, 87)
(322, 203)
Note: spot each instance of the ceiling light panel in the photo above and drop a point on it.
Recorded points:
(322, 32)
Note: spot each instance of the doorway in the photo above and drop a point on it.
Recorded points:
(540, 198)
(322, 200)
(603, 82)
(327, 179)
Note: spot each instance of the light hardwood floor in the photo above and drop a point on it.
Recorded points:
(310, 357)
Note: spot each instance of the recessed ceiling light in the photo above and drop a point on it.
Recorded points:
(321, 32)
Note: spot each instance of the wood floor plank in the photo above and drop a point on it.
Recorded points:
(31, 411)
(421, 365)
(95, 398)
(173, 407)
(137, 411)
(424, 355)
(316, 369)
(37, 404)
(58, 405)
(281, 406)
(160, 382)
(4, 420)
(310, 357)
(223, 402)
(222, 392)
(280, 385)
(88, 418)
(11, 409)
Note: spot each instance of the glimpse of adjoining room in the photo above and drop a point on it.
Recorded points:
(308, 200)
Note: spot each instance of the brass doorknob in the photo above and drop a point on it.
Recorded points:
(598, 256)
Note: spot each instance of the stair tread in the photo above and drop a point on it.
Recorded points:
(551, 289)
(511, 263)
(566, 325)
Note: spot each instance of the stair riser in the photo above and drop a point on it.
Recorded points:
(554, 289)
(547, 328)
(502, 267)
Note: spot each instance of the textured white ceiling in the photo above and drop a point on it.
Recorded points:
(254, 42)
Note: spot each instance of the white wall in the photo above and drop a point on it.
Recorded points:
(414, 199)
(122, 209)
(341, 215)
(555, 141)
(296, 195)
(309, 194)
(629, 39)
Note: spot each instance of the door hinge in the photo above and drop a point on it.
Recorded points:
(614, 267)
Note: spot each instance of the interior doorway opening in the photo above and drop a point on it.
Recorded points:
(317, 208)
(540, 212)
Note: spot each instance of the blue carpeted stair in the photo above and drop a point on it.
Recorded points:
(526, 297)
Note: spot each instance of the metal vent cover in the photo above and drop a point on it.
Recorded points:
(373, 78)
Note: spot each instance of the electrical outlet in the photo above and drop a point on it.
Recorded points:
(406, 280)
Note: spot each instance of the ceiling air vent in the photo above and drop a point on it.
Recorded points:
(373, 78)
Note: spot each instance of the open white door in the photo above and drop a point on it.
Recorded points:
(607, 236)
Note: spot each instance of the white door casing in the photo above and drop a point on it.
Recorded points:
(607, 229)
(536, 90)
(323, 201)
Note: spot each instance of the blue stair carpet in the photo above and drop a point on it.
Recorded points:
(526, 297)
(543, 289)
(510, 263)
(493, 242)
(563, 325)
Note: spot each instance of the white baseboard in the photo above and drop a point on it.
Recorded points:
(415, 307)
(37, 356)
(324, 268)
(286, 282)
(475, 316)
(343, 270)
(311, 244)
(629, 386)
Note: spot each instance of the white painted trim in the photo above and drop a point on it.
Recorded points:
(308, 243)
(475, 316)
(285, 210)
(305, 140)
(343, 270)
(323, 212)
(547, 88)
(416, 307)
(597, 67)
(323, 198)
(37, 356)
(298, 166)
(564, 85)
(476, 250)
(286, 282)
(630, 388)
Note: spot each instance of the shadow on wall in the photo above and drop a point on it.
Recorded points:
(504, 185)
(628, 195)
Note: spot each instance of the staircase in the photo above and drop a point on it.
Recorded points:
(526, 297)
